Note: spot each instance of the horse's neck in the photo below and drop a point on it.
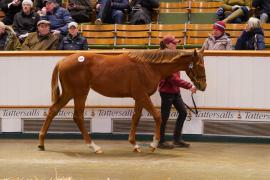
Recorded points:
(169, 68)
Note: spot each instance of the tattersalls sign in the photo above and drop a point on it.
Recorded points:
(127, 113)
(101, 118)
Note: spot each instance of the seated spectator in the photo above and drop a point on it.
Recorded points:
(10, 8)
(39, 4)
(252, 38)
(141, 11)
(73, 41)
(58, 17)
(218, 40)
(234, 11)
(8, 39)
(111, 11)
(25, 21)
(263, 8)
(43, 39)
(80, 10)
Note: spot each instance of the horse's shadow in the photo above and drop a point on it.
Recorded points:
(118, 154)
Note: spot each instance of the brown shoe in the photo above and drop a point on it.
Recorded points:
(165, 145)
(181, 144)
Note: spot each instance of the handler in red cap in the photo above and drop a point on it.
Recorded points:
(218, 40)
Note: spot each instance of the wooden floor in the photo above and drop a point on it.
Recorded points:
(71, 159)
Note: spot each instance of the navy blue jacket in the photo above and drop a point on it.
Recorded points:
(77, 43)
(59, 19)
(251, 40)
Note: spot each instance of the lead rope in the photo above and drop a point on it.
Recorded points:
(194, 104)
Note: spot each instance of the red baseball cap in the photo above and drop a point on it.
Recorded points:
(170, 39)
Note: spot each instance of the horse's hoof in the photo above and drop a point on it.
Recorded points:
(41, 148)
(99, 151)
(152, 149)
(137, 150)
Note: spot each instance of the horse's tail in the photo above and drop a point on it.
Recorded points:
(54, 85)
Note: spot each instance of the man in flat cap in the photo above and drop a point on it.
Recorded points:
(42, 39)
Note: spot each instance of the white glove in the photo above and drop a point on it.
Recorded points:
(235, 7)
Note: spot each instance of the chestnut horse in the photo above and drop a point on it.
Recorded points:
(133, 74)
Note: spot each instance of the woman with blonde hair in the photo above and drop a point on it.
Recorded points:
(252, 38)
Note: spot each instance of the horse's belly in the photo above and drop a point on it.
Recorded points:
(111, 91)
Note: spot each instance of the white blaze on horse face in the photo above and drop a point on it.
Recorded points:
(81, 58)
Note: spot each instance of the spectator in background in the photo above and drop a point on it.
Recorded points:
(39, 4)
(234, 11)
(43, 39)
(263, 9)
(73, 41)
(141, 11)
(218, 40)
(111, 11)
(80, 10)
(8, 39)
(10, 8)
(58, 17)
(252, 38)
(25, 21)
(169, 89)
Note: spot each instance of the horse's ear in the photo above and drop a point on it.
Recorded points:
(195, 52)
(201, 50)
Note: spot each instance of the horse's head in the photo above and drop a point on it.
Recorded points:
(196, 70)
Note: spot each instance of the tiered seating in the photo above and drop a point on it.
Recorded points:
(188, 12)
(99, 36)
(132, 36)
(196, 34)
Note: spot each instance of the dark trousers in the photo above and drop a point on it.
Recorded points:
(167, 100)
(109, 15)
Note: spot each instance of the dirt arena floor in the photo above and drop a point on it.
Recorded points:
(72, 160)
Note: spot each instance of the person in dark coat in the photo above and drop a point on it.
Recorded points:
(141, 11)
(39, 4)
(25, 21)
(111, 11)
(10, 8)
(263, 8)
(73, 41)
(80, 10)
(252, 38)
(58, 17)
(169, 89)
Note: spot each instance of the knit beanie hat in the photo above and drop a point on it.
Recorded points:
(219, 25)
(27, 2)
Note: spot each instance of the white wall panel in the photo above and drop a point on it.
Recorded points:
(233, 81)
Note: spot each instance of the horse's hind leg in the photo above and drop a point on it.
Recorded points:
(53, 110)
(78, 117)
(148, 105)
(134, 123)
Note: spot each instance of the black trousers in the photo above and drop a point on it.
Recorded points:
(167, 100)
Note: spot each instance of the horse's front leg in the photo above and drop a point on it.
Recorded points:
(134, 123)
(148, 105)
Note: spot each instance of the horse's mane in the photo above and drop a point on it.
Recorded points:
(157, 56)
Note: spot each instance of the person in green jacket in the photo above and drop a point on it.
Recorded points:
(8, 39)
(43, 39)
